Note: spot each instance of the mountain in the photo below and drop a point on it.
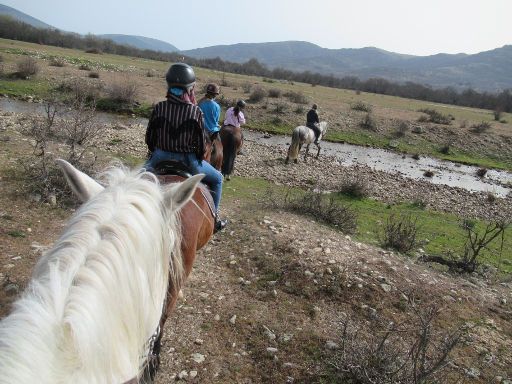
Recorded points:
(488, 71)
(140, 42)
(17, 15)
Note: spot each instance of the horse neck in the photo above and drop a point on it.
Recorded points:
(97, 296)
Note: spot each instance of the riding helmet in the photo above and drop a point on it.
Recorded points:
(180, 75)
(212, 89)
(314, 106)
(240, 104)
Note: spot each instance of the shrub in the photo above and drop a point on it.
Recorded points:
(428, 173)
(27, 67)
(360, 106)
(124, 92)
(463, 123)
(497, 114)
(368, 122)
(481, 128)
(400, 233)
(401, 129)
(94, 75)
(280, 108)
(150, 73)
(96, 51)
(247, 87)
(84, 67)
(299, 110)
(354, 187)
(416, 156)
(274, 93)
(57, 62)
(436, 117)
(257, 95)
(276, 121)
(445, 148)
(296, 97)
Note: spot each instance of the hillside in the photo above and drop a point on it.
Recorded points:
(483, 71)
(18, 15)
(140, 42)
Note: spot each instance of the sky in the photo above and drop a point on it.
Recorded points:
(417, 27)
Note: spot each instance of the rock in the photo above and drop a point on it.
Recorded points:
(233, 319)
(52, 199)
(267, 332)
(182, 375)
(216, 318)
(11, 289)
(473, 373)
(193, 374)
(331, 345)
(386, 287)
(198, 358)
(272, 350)
(199, 341)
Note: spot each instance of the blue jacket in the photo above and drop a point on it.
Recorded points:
(211, 114)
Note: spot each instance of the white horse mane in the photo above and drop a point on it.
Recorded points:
(96, 297)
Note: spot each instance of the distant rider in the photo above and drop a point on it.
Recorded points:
(234, 115)
(211, 110)
(175, 132)
(312, 121)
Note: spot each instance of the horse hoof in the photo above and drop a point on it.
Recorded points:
(287, 160)
(295, 161)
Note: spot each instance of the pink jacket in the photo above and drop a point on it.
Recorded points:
(231, 119)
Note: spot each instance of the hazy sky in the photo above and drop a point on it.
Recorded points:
(419, 27)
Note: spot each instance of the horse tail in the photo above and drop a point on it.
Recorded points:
(293, 150)
(229, 153)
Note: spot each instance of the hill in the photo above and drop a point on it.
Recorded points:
(17, 15)
(488, 71)
(140, 42)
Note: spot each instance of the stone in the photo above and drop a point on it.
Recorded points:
(331, 345)
(198, 358)
(233, 319)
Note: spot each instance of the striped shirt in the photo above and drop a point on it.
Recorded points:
(176, 126)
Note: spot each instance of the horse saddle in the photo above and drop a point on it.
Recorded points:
(172, 171)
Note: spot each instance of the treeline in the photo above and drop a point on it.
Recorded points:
(16, 30)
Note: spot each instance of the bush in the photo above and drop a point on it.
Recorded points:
(96, 51)
(151, 73)
(360, 106)
(368, 122)
(401, 129)
(257, 95)
(299, 110)
(125, 92)
(280, 108)
(445, 148)
(480, 172)
(27, 67)
(400, 233)
(296, 97)
(497, 114)
(274, 93)
(57, 62)
(436, 117)
(84, 67)
(481, 128)
(247, 87)
(315, 205)
(94, 75)
(428, 173)
(354, 187)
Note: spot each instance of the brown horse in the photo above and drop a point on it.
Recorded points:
(232, 141)
(214, 154)
(197, 223)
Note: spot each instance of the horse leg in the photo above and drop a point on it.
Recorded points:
(287, 160)
(318, 153)
(306, 154)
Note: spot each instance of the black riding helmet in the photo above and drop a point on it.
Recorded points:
(180, 75)
(240, 104)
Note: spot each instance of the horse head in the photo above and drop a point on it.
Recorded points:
(96, 297)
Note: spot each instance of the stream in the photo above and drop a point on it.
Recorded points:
(445, 172)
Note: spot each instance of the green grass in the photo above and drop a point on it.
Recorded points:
(17, 88)
(439, 232)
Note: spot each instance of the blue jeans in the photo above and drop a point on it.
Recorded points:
(212, 178)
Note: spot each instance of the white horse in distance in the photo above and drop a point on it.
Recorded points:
(304, 135)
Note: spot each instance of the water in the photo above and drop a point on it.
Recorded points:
(445, 172)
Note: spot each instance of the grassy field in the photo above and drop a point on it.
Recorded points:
(279, 114)
(438, 234)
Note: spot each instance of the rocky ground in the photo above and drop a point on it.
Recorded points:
(268, 296)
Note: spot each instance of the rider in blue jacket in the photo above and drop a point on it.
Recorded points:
(211, 110)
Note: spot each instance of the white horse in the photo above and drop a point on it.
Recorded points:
(304, 135)
(95, 299)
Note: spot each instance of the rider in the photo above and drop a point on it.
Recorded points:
(211, 110)
(234, 115)
(175, 132)
(312, 121)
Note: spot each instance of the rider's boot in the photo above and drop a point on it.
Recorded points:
(219, 224)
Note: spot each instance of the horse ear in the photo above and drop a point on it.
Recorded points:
(83, 186)
(179, 194)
